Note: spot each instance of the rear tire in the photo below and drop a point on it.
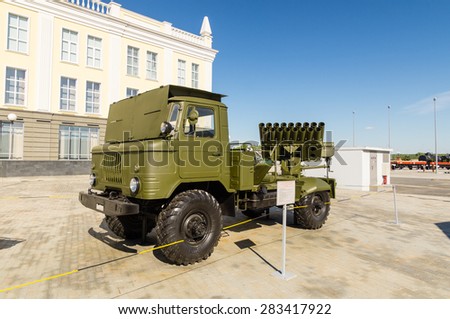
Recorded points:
(193, 217)
(129, 226)
(316, 212)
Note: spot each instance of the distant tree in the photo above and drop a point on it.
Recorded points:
(406, 157)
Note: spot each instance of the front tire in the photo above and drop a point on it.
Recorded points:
(128, 226)
(192, 220)
(314, 210)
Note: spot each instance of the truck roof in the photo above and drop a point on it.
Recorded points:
(139, 117)
(174, 90)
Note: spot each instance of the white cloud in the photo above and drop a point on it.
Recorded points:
(426, 105)
(369, 128)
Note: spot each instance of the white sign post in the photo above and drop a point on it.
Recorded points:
(285, 196)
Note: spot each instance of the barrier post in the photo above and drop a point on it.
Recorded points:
(394, 189)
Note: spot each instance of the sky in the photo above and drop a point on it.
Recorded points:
(335, 61)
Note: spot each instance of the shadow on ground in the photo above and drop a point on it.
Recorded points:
(109, 238)
(6, 243)
(445, 227)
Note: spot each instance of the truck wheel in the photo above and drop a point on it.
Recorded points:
(128, 227)
(316, 212)
(193, 217)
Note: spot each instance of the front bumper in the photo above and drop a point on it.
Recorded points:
(109, 207)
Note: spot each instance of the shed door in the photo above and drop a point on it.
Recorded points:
(373, 168)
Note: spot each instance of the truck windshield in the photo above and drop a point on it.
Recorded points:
(204, 125)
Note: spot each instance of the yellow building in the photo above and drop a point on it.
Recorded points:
(62, 63)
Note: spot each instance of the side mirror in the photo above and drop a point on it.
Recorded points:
(166, 128)
(193, 117)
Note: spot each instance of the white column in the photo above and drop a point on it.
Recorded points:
(44, 58)
(168, 67)
(207, 76)
(115, 65)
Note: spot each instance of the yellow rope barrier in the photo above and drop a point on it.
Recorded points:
(39, 280)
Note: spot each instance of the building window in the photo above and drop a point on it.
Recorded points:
(68, 93)
(75, 142)
(181, 72)
(152, 65)
(17, 33)
(195, 68)
(92, 97)
(69, 47)
(94, 52)
(132, 92)
(133, 61)
(15, 86)
(11, 140)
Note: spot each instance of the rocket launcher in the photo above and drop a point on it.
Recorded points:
(294, 143)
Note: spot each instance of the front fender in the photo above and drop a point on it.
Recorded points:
(309, 185)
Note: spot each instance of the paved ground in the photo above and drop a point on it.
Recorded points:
(422, 183)
(52, 247)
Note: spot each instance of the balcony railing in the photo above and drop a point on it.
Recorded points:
(180, 34)
(113, 9)
(94, 5)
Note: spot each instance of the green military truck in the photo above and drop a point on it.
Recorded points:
(167, 163)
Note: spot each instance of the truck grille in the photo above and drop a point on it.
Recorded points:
(112, 167)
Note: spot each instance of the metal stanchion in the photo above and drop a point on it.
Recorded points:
(283, 265)
(283, 274)
(394, 189)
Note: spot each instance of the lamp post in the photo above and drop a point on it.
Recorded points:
(389, 126)
(435, 136)
(11, 118)
(353, 129)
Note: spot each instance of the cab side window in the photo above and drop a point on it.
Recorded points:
(199, 122)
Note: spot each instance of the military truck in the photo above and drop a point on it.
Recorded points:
(167, 163)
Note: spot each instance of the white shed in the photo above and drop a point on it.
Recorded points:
(360, 168)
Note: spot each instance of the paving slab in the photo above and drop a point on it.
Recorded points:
(53, 247)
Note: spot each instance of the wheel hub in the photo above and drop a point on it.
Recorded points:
(317, 206)
(195, 227)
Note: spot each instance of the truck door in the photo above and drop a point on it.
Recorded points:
(200, 152)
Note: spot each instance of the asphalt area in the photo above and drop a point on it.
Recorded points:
(420, 183)
(53, 247)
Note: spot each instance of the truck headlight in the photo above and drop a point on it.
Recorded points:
(134, 185)
(92, 179)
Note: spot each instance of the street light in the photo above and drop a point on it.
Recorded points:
(12, 118)
(435, 136)
(389, 126)
(353, 129)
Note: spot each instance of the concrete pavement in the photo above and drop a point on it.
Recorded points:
(53, 247)
(422, 182)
